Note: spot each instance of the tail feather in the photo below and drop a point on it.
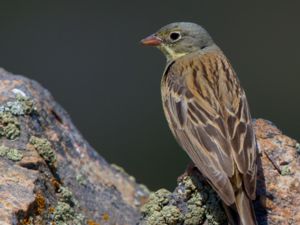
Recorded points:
(242, 213)
(245, 209)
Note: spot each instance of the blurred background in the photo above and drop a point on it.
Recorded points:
(87, 53)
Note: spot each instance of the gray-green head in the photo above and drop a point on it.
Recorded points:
(179, 39)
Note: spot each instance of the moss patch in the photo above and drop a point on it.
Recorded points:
(11, 153)
(43, 147)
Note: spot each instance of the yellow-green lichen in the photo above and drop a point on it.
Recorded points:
(9, 113)
(11, 153)
(157, 211)
(156, 201)
(203, 204)
(285, 170)
(65, 194)
(19, 107)
(9, 125)
(168, 215)
(43, 147)
(14, 154)
(192, 203)
(171, 214)
(64, 214)
(187, 187)
(195, 199)
(154, 219)
(27, 105)
(3, 150)
(195, 215)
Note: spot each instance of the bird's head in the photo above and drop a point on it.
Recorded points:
(179, 39)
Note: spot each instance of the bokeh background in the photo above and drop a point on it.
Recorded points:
(87, 53)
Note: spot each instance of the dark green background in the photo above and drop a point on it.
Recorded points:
(87, 54)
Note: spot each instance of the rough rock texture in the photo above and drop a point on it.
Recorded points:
(50, 174)
(193, 202)
(278, 187)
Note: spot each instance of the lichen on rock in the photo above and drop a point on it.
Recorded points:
(202, 203)
(171, 214)
(3, 150)
(14, 154)
(157, 200)
(10, 153)
(64, 214)
(285, 170)
(192, 203)
(9, 113)
(9, 125)
(157, 211)
(27, 104)
(66, 195)
(20, 106)
(43, 147)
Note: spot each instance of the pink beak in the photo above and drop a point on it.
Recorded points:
(151, 40)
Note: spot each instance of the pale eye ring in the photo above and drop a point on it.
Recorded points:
(175, 36)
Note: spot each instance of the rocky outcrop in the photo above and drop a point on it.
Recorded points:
(278, 188)
(51, 175)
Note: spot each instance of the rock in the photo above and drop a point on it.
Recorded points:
(49, 173)
(278, 184)
(278, 188)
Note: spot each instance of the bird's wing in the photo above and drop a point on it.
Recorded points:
(210, 119)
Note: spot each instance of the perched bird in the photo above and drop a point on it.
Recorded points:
(207, 111)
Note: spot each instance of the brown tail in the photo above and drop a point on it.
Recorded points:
(242, 213)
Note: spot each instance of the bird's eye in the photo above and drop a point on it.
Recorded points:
(175, 36)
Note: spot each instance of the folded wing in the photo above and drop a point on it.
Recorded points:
(209, 116)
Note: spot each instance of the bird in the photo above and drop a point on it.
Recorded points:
(207, 111)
